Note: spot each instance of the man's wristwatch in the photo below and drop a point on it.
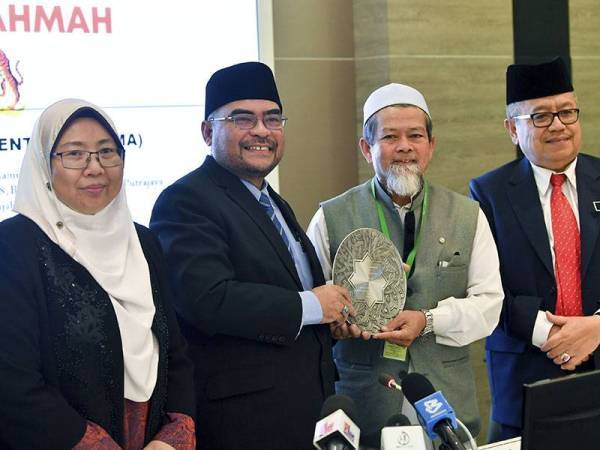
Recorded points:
(428, 322)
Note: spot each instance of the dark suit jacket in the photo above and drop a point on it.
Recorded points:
(509, 198)
(259, 384)
(61, 361)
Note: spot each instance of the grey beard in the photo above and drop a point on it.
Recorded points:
(404, 181)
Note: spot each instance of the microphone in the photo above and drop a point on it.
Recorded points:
(397, 420)
(388, 381)
(375, 440)
(337, 430)
(433, 409)
(400, 434)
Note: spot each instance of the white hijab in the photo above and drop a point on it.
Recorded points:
(106, 244)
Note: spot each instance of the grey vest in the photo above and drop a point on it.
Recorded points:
(447, 236)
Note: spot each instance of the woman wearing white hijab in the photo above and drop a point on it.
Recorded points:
(90, 353)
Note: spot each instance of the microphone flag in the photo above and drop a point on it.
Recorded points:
(336, 423)
(432, 409)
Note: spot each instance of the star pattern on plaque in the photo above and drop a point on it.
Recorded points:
(368, 283)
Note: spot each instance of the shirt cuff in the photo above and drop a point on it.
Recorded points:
(97, 438)
(442, 319)
(178, 432)
(312, 314)
(541, 329)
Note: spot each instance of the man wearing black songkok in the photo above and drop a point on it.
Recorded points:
(245, 274)
(544, 211)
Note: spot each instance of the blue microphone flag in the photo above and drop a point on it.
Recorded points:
(431, 410)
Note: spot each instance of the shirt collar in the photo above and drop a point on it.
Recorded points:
(254, 190)
(542, 177)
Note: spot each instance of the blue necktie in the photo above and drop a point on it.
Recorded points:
(268, 207)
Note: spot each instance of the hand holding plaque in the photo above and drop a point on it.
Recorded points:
(370, 267)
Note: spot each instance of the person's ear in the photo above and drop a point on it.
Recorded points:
(365, 149)
(510, 126)
(207, 132)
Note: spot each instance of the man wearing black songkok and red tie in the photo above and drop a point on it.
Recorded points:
(544, 211)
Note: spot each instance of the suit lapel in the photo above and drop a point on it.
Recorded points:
(300, 235)
(321, 333)
(525, 201)
(588, 191)
(239, 194)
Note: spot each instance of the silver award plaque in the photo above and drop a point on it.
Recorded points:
(370, 267)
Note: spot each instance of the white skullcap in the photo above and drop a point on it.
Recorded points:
(393, 94)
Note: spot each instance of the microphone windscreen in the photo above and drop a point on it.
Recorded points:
(415, 387)
(385, 378)
(397, 420)
(339, 401)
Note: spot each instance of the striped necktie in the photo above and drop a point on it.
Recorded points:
(265, 202)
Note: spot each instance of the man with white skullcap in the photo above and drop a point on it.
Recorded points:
(454, 294)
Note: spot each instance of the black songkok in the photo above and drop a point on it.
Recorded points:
(527, 81)
(245, 81)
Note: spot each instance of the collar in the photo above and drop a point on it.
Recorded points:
(255, 191)
(542, 177)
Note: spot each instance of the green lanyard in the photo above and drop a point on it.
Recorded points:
(383, 223)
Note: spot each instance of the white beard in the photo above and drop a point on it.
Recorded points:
(404, 180)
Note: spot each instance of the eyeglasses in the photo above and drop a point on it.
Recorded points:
(245, 121)
(545, 119)
(79, 159)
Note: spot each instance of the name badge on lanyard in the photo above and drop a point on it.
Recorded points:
(395, 351)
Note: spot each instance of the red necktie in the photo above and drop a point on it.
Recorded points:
(567, 251)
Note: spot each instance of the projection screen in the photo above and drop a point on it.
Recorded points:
(146, 63)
